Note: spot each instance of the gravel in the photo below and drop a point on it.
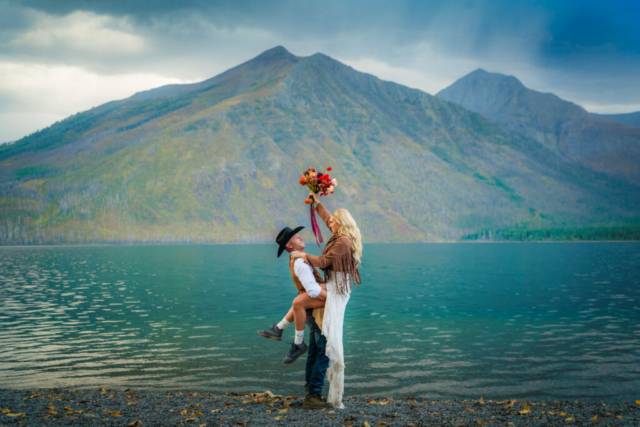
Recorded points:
(53, 407)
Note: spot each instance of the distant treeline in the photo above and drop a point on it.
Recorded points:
(514, 234)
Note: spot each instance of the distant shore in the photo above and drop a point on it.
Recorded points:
(81, 407)
(92, 245)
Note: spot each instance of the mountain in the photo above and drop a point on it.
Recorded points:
(565, 128)
(219, 161)
(630, 119)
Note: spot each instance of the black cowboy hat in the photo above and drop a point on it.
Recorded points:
(284, 236)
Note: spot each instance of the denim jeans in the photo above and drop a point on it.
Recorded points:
(317, 361)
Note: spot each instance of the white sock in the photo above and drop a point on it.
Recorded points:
(299, 337)
(283, 324)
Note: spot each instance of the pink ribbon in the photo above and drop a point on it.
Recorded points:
(315, 228)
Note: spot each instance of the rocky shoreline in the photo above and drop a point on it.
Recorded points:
(82, 407)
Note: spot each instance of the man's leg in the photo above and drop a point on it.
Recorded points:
(312, 355)
(316, 381)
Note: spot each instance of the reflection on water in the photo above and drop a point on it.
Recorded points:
(529, 321)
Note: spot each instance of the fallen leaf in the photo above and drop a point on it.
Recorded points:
(569, 419)
(469, 409)
(247, 401)
(215, 410)
(135, 423)
(481, 401)
(594, 418)
(366, 424)
(509, 405)
(128, 390)
(526, 410)
(282, 411)
(277, 418)
(382, 423)
(638, 402)
(268, 411)
(619, 416)
(184, 412)
(190, 419)
(199, 412)
(6, 410)
(19, 414)
(131, 403)
(228, 405)
(240, 423)
(330, 412)
(48, 413)
(286, 403)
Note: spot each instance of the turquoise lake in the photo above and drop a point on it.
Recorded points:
(524, 321)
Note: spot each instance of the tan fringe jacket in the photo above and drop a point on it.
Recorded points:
(335, 257)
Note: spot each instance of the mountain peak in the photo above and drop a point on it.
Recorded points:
(491, 78)
(275, 53)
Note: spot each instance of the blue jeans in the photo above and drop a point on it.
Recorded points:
(317, 361)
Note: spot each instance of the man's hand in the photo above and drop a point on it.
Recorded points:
(322, 296)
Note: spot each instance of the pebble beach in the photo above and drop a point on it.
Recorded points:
(104, 407)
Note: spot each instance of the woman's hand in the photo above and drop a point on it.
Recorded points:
(315, 197)
(299, 255)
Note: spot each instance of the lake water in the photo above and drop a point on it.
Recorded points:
(524, 321)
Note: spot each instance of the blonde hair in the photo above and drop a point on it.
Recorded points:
(349, 228)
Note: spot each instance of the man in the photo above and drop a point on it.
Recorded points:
(306, 279)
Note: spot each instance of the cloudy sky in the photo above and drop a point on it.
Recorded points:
(65, 56)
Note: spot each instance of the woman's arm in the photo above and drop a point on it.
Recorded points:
(322, 212)
(341, 247)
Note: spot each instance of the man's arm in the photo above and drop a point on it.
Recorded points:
(305, 274)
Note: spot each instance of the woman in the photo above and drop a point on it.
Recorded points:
(339, 261)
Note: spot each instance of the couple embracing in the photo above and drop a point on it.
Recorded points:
(321, 303)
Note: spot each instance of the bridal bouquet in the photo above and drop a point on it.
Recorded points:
(322, 184)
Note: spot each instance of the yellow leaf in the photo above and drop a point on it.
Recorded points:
(247, 401)
(190, 419)
(21, 414)
(619, 416)
(638, 402)
(48, 407)
(594, 418)
(331, 412)
(135, 423)
(228, 405)
(277, 418)
(199, 412)
(6, 410)
(481, 400)
(131, 403)
(366, 424)
(526, 410)
(569, 419)
(215, 410)
(286, 403)
(469, 409)
(184, 412)
(268, 411)
(382, 423)
(48, 413)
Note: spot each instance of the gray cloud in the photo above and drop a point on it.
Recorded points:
(585, 52)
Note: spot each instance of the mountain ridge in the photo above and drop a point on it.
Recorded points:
(562, 126)
(215, 164)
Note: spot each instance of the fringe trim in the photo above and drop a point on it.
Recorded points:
(343, 264)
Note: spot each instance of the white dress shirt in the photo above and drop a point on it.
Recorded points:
(305, 273)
